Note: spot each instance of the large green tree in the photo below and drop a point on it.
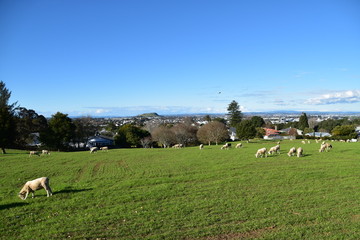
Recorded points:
(129, 135)
(60, 132)
(345, 131)
(234, 113)
(303, 122)
(7, 121)
(27, 123)
(246, 130)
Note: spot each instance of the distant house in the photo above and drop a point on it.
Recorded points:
(232, 133)
(100, 141)
(271, 134)
(290, 129)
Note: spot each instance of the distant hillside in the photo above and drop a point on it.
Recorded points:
(149, 115)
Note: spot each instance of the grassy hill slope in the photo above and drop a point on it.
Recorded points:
(185, 194)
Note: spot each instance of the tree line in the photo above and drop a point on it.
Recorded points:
(18, 125)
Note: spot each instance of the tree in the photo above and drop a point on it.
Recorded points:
(245, 130)
(184, 133)
(130, 135)
(345, 131)
(163, 135)
(7, 121)
(235, 115)
(60, 132)
(257, 121)
(84, 129)
(213, 132)
(303, 122)
(28, 122)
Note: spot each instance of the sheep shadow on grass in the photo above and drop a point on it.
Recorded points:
(12, 205)
(71, 190)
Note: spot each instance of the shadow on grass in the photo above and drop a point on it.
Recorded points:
(71, 190)
(12, 205)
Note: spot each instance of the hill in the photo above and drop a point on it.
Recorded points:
(185, 194)
(149, 115)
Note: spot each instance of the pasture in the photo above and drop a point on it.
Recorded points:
(185, 194)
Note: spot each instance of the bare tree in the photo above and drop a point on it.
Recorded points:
(164, 136)
(146, 142)
(184, 133)
(213, 132)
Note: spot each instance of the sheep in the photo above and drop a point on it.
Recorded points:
(239, 145)
(303, 142)
(45, 152)
(274, 149)
(226, 146)
(328, 146)
(201, 146)
(104, 148)
(322, 147)
(32, 186)
(299, 152)
(179, 145)
(261, 153)
(34, 153)
(93, 149)
(325, 147)
(292, 151)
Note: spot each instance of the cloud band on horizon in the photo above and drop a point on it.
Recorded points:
(350, 96)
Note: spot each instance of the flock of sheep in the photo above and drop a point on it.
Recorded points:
(299, 152)
(43, 182)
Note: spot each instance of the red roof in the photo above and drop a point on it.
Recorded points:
(270, 131)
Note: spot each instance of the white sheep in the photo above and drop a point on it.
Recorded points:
(226, 146)
(104, 148)
(261, 153)
(45, 152)
(239, 145)
(33, 153)
(93, 149)
(275, 149)
(32, 186)
(325, 147)
(179, 145)
(201, 146)
(292, 151)
(299, 152)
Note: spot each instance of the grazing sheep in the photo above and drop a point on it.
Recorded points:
(275, 149)
(226, 146)
(33, 153)
(45, 152)
(303, 142)
(93, 149)
(292, 151)
(322, 147)
(32, 186)
(261, 153)
(104, 148)
(179, 145)
(239, 145)
(328, 146)
(201, 146)
(299, 152)
(325, 147)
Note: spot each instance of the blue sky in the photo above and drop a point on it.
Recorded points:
(106, 58)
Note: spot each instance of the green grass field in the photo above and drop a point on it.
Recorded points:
(185, 194)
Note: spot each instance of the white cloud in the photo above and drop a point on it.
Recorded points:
(351, 96)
